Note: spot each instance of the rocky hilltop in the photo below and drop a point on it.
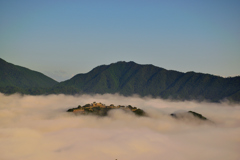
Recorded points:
(102, 109)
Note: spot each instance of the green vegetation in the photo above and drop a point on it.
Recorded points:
(19, 79)
(184, 115)
(102, 110)
(197, 115)
(126, 78)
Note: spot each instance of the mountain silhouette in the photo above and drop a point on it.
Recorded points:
(15, 78)
(126, 78)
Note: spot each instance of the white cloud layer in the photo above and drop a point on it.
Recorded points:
(38, 127)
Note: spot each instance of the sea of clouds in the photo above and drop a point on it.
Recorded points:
(38, 127)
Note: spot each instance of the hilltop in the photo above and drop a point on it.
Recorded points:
(102, 110)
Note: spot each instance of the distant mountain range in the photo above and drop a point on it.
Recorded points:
(126, 78)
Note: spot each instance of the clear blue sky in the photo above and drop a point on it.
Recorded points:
(61, 38)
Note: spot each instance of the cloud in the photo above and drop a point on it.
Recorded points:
(38, 127)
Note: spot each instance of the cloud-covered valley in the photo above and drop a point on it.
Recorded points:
(38, 127)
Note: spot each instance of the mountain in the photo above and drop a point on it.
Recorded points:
(128, 78)
(15, 78)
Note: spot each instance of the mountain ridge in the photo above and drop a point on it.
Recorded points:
(129, 78)
(14, 77)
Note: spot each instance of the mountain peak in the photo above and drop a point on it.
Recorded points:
(123, 62)
(126, 78)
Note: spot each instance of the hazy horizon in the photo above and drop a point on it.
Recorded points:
(64, 38)
(38, 127)
(113, 63)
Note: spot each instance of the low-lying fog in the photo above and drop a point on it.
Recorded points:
(38, 127)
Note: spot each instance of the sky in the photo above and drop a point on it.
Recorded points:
(38, 127)
(63, 38)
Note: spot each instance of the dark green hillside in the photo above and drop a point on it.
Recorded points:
(15, 78)
(129, 78)
(126, 78)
